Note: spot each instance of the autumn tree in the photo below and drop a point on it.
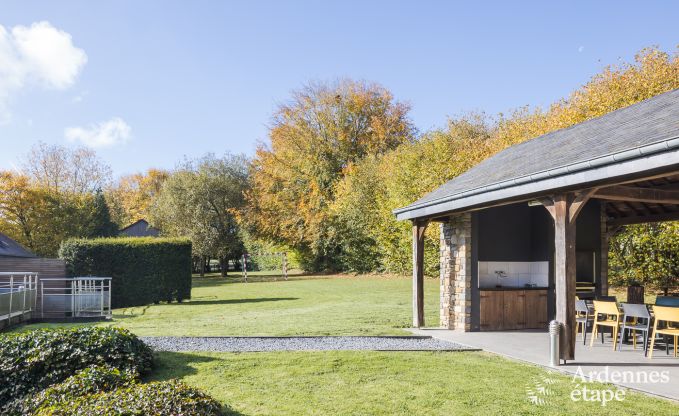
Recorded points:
(132, 195)
(362, 216)
(61, 169)
(313, 139)
(40, 218)
(368, 193)
(200, 201)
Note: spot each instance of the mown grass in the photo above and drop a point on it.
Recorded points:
(303, 305)
(386, 383)
(346, 382)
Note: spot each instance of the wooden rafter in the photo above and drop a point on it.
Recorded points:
(637, 194)
(640, 219)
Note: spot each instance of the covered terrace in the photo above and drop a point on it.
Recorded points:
(527, 229)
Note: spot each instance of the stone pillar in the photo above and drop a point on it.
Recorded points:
(455, 274)
(603, 262)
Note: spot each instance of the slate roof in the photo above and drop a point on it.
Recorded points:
(10, 248)
(139, 228)
(648, 122)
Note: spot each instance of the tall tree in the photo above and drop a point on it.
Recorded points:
(314, 138)
(200, 201)
(62, 169)
(363, 211)
(132, 195)
(100, 224)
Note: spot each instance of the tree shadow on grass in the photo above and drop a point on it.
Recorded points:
(177, 365)
(231, 301)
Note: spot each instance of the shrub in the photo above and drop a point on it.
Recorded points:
(91, 380)
(144, 270)
(32, 361)
(156, 398)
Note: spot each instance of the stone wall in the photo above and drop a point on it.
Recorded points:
(456, 268)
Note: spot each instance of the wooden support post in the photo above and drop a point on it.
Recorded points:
(418, 272)
(564, 274)
(564, 209)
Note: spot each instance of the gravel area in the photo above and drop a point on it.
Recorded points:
(244, 344)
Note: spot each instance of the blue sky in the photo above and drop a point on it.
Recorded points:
(165, 79)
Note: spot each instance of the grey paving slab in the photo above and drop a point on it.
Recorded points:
(600, 359)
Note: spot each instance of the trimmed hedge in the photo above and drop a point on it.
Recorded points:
(32, 361)
(144, 270)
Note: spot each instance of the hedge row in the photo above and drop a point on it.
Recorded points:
(33, 361)
(144, 270)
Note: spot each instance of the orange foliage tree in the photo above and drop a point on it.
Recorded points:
(314, 139)
(131, 197)
(369, 192)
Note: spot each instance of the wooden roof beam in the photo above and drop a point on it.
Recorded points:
(637, 194)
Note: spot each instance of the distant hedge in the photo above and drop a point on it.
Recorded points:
(144, 270)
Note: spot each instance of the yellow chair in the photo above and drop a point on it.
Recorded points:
(667, 314)
(611, 318)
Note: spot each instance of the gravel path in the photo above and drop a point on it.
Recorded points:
(244, 344)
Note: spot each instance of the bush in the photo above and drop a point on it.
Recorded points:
(32, 361)
(144, 270)
(94, 379)
(156, 398)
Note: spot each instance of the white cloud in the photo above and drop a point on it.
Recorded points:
(581, 48)
(36, 55)
(105, 134)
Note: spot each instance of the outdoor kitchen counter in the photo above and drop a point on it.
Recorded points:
(504, 308)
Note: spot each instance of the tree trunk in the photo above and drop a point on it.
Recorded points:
(224, 266)
(202, 266)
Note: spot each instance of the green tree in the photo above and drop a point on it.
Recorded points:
(100, 224)
(646, 254)
(373, 188)
(200, 201)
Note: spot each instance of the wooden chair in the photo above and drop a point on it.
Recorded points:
(669, 315)
(606, 314)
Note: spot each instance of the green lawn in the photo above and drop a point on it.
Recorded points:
(347, 382)
(315, 305)
(385, 383)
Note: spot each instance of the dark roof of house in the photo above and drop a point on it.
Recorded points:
(10, 248)
(140, 228)
(579, 147)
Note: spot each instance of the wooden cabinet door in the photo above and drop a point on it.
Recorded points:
(536, 309)
(490, 310)
(514, 309)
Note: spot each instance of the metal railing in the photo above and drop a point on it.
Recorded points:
(18, 292)
(75, 297)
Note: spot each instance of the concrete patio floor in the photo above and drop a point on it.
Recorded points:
(533, 347)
